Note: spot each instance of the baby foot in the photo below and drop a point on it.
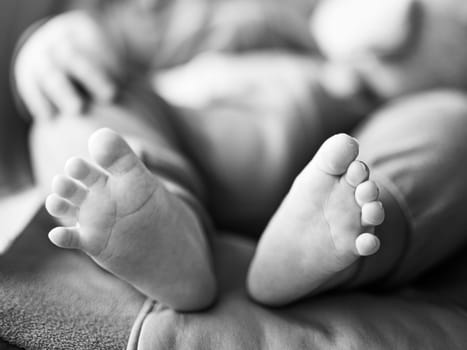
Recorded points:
(130, 224)
(322, 227)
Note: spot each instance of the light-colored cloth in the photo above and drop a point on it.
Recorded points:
(54, 298)
(416, 149)
(415, 318)
(17, 211)
(18, 198)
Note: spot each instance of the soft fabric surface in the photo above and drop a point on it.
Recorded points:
(415, 318)
(57, 299)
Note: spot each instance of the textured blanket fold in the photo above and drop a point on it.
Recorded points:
(428, 317)
(57, 299)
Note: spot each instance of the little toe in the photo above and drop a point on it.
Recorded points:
(366, 192)
(69, 189)
(112, 152)
(357, 173)
(60, 207)
(336, 154)
(367, 244)
(84, 172)
(372, 213)
(65, 237)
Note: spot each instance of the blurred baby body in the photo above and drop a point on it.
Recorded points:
(397, 46)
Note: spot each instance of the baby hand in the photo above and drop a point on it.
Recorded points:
(67, 52)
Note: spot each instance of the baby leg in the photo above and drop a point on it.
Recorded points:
(142, 225)
(318, 231)
(415, 149)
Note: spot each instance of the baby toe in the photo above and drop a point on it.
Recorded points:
(336, 154)
(372, 213)
(366, 192)
(367, 244)
(65, 237)
(69, 189)
(60, 207)
(84, 172)
(112, 152)
(357, 173)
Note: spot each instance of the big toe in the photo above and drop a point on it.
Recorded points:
(336, 154)
(111, 151)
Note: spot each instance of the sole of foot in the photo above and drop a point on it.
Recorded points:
(130, 224)
(323, 227)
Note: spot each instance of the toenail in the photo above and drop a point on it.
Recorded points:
(363, 166)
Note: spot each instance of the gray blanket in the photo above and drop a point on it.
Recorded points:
(58, 299)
